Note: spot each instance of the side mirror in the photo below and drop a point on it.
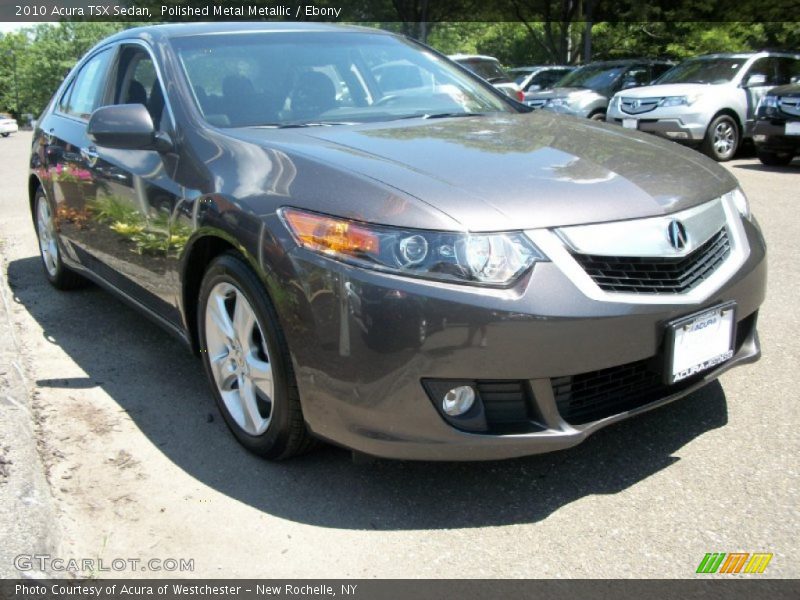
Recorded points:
(126, 127)
(756, 80)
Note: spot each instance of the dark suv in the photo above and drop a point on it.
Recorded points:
(585, 92)
(777, 130)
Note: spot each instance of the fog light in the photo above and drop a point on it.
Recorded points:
(759, 138)
(680, 135)
(458, 400)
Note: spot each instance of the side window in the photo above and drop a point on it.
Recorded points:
(658, 70)
(787, 69)
(137, 83)
(86, 91)
(764, 66)
(635, 77)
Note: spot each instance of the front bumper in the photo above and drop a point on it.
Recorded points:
(687, 127)
(363, 342)
(771, 136)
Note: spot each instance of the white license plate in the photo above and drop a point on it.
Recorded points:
(630, 123)
(793, 128)
(701, 341)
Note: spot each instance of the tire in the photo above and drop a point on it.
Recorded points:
(775, 159)
(722, 138)
(240, 354)
(58, 274)
(6, 134)
(598, 116)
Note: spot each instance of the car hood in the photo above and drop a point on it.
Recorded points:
(516, 171)
(670, 89)
(792, 90)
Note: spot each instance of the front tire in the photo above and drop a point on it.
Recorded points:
(6, 134)
(722, 138)
(247, 361)
(775, 159)
(58, 274)
(598, 116)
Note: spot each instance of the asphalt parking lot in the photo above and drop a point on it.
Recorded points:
(139, 465)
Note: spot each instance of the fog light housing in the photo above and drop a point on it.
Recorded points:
(759, 138)
(458, 400)
(678, 135)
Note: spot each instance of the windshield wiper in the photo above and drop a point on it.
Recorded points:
(304, 124)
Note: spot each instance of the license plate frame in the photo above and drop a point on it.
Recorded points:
(792, 128)
(630, 123)
(681, 331)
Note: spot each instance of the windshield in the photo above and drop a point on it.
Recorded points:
(293, 78)
(520, 76)
(703, 70)
(593, 77)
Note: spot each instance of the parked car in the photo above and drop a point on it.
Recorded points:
(8, 125)
(491, 70)
(777, 129)
(708, 101)
(399, 274)
(585, 91)
(540, 77)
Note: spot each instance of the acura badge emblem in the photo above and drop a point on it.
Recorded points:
(636, 104)
(676, 233)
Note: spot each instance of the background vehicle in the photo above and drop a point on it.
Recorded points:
(709, 101)
(585, 91)
(490, 69)
(8, 125)
(538, 78)
(777, 129)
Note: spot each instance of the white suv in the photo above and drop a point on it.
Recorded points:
(708, 101)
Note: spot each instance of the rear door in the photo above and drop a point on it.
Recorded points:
(69, 166)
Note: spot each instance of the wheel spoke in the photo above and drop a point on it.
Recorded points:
(219, 315)
(256, 424)
(243, 320)
(261, 375)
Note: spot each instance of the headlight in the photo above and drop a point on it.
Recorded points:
(493, 259)
(677, 101)
(769, 102)
(740, 201)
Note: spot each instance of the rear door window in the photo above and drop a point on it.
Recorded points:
(87, 90)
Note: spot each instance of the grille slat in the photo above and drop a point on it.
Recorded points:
(657, 275)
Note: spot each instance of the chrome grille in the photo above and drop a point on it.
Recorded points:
(657, 275)
(791, 106)
(637, 106)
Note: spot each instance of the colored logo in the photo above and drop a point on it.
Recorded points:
(734, 562)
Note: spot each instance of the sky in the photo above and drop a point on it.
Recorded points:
(6, 26)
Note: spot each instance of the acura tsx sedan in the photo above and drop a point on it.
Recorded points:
(366, 244)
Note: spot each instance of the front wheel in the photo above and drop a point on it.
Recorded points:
(722, 139)
(775, 159)
(6, 134)
(598, 116)
(58, 274)
(247, 362)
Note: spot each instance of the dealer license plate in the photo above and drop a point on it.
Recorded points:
(793, 128)
(700, 341)
(630, 123)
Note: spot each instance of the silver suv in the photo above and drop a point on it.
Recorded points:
(708, 101)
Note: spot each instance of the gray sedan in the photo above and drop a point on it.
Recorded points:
(366, 244)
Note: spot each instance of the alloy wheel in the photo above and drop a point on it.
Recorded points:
(724, 138)
(239, 358)
(47, 238)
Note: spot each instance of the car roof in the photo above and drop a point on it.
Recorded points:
(540, 67)
(744, 55)
(175, 30)
(628, 61)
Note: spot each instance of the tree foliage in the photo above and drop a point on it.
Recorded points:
(545, 31)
